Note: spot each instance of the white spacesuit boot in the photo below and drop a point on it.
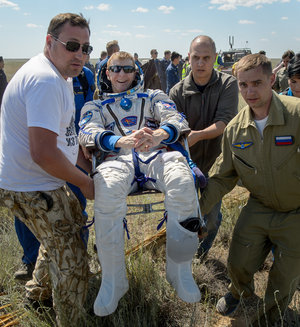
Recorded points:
(110, 247)
(182, 245)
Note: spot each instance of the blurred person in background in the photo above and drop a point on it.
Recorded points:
(3, 80)
(162, 67)
(281, 80)
(293, 72)
(173, 76)
(103, 55)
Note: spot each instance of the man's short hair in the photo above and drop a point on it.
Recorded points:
(174, 55)
(167, 52)
(111, 47)
(253, 61)
(293, 69)
(1, 58)
(121, 55)
(60, 20)
(207, 40)
(288, 53)
(103, 54)
(263, 52)
(153, 51)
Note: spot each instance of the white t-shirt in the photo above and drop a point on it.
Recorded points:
(260, 124)
(37, 96)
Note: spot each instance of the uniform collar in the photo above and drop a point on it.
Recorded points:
(276, 116)
(189, 86)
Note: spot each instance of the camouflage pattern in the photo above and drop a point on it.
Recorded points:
(55, 218)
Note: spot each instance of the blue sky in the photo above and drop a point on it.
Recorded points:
(139, 25)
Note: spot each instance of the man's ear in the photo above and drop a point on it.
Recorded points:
(49, 40)
(107, 74)
(272, 78)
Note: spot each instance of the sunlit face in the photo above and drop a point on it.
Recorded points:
(121, 81)
(256, 87)
(69, 64)
(202, 59)
(294, 83)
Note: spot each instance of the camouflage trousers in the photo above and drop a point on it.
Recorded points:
(55, 218)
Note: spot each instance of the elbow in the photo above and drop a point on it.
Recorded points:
(40, 157)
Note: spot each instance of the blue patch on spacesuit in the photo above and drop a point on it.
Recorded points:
(85, 118)
(111, 126)
(129, 121)
(151, 123)
(169, 105)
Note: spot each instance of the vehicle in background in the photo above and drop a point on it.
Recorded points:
(233, 55)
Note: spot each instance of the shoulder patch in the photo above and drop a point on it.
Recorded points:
(242, 145)
(169, 105)
(129, 121)
(85, 118)
(284, 140)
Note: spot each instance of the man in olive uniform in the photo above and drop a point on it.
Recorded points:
(261, 146)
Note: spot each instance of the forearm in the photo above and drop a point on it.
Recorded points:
(208, 133)
(56, 164)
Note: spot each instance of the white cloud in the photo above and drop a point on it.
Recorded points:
(213, 7)
(12, 5)
(246, 22)
(89, 7)
(264, 40)
(30, 25)
(297, 38)
(273, 33)
(117, 33)
(140, 9)
(233, 4)
(284, 18)
(26, 14)
(165, 9)
(111, 26)
(103, 7)
(142, 36)
(227, 7)
(139, 26)
(167, 30)
(195, 31)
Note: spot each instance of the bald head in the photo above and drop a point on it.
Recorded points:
(205, 40)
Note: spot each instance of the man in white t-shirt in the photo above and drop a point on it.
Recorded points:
(38, 153)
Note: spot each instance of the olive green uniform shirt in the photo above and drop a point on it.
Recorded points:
(270, 167)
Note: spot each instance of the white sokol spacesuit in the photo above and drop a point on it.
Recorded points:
(120, 174)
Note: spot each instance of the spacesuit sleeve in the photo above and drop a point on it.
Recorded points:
(92, 130)
(164, 111)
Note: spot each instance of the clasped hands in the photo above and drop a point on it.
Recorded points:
(143, 139)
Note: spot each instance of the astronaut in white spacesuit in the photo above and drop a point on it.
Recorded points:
(133, 128)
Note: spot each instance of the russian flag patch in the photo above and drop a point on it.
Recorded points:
(284, 140)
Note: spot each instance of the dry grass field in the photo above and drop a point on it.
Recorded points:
(150, 301)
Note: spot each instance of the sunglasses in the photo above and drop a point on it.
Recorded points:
(126, 69)
(74, 46)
